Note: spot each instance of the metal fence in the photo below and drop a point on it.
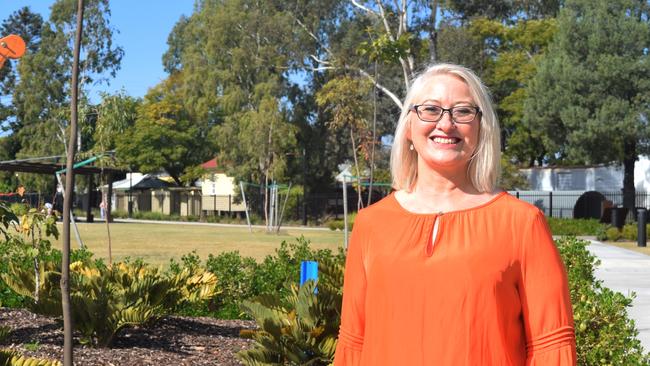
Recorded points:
(329, 205)
(561, 203)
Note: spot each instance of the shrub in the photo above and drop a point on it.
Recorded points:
(629, 232)
(299, 328)
(237, 277)
(19, 208)
(613, 234)
(242, 278)
(604, 333)
(340, 224)
(574, 227)
(106, 299)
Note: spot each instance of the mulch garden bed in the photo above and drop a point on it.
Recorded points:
(174, 340)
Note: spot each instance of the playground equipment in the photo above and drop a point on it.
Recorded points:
(11, 46)
(272, 213)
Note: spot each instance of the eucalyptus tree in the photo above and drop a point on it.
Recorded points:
(163, 134)
(42, 94)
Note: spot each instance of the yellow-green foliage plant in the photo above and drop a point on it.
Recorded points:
(300, 329)
(10, 358)
(105, 299)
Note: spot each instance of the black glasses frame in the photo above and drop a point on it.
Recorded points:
(416, 108)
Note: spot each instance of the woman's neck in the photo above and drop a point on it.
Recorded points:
(442, 191)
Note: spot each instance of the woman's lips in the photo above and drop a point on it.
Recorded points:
(445, 140)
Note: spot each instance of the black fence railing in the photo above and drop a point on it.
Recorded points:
(562, 203)
(330, 205)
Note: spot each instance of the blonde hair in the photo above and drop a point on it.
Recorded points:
(485, 164)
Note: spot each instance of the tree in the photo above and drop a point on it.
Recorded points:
(513, 52)
(69, 189)
(27, 25)
(42, 94)
(347, 101)
(591, 93)
(163, 135)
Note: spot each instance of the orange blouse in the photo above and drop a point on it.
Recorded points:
(491, 289)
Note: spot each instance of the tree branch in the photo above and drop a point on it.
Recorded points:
(366, 9)
(379, 86)
(382, 15)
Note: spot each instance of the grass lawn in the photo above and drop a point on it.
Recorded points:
(631, 245)
(157, 243)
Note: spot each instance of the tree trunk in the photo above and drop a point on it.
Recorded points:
(374, 136)
(67, 202)
(356, 165)
(433, 33)
(628, 175)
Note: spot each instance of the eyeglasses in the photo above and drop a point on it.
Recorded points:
(434, 113)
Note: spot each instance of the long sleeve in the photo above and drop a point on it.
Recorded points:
(353, 319)
(546, 304)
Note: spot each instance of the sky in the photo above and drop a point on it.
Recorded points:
(143, 27)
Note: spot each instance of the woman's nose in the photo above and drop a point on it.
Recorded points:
(445, 122)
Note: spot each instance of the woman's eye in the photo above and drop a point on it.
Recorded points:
(463, 110)
(431, 109)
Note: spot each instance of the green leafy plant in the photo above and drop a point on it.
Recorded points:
(605, 334)
(302, 327)
(106, 299)
(32, 346)
(574, 227)
(613, 234)
(242, 278)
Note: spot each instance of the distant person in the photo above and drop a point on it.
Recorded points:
(49, 209)
(449, 269)
(102, 209)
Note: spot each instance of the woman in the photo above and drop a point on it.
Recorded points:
(449, 270)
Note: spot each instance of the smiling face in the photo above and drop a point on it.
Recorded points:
(444, 144)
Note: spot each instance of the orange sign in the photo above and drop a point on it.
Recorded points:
(11, 46)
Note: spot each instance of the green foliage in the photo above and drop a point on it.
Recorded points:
(164, 134)
(628, 232)
(41, 96)
(604, 333)
(385, 49)
(574, 227)
(11, 358)
(25, 246)
(591, 87)
(511, 178)
(19, 208)
(106, 299)
(300, 327)
(237, 282)
(339, 224)
(243, 278)
(115, 114)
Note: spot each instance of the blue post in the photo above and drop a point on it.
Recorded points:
(308, 271)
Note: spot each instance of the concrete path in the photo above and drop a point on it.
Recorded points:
(627, 271)
(196, 223)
